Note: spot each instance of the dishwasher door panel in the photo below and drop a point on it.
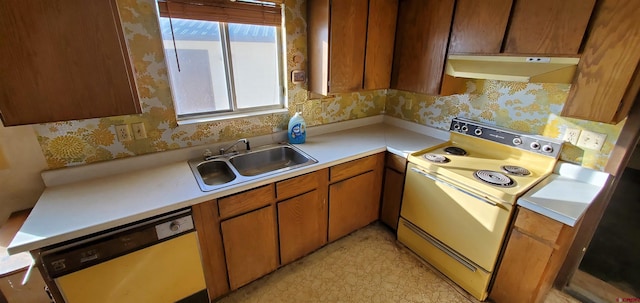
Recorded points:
(163, 272)
(470, 226)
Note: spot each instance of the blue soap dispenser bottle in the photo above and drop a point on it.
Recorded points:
(297, 130)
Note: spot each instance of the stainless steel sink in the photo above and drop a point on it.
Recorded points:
(212, 174)
(270, 159)
(226, 170)
(215, 172)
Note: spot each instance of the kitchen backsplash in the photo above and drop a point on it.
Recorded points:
(529, 107)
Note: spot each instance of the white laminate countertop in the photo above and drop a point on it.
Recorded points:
(566, 194)
(78, 208)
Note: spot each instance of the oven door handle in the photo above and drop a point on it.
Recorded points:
(434, 178)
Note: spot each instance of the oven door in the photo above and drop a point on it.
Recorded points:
(463, 220)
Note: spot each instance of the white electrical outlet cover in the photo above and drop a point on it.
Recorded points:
(571, 135)
(123, 132)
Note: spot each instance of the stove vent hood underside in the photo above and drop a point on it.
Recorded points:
(509, 68)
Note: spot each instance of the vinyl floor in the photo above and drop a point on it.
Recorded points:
(366, 266)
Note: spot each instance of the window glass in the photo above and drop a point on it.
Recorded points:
(254, 57)
(221, 67)
(199, 84)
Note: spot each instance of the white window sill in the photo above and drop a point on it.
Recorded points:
(231, 116)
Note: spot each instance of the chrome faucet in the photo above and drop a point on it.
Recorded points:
(243, 140)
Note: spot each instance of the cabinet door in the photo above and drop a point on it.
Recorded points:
(548, 26)
(353, 203)
(479, 26)
(348, 33)
(521, 269)
(381, 33)
(302, 225)
(205, 218)
(604, 88)
(391, 197)
(63, 60)
(421, 45)
(250, 246)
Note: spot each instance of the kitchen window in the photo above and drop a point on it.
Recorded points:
(224, 58)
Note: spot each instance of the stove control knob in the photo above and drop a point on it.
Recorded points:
(478, 131)
(547, 148)
(517, 141)
(534, 145)
(465, 128)
(456, 126)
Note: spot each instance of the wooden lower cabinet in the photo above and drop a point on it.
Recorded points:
(354, 203)
(302, 225)
(205, 218)
(250, 246)
(535, 251)
(392, 190)
(250, 234)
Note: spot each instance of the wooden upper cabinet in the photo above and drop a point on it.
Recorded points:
(422, 36)
(347, 36)
(548, 26)
(339, 41)
(381, 32)
(479, 26)
(607, 79)
(63, 60)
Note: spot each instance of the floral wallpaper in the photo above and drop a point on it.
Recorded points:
(529, 107)
(85, 141)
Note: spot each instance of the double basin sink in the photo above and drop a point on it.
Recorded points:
(225, 170)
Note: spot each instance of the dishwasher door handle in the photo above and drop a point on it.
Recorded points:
(436, 179)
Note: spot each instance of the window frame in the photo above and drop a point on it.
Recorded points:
(234, 111)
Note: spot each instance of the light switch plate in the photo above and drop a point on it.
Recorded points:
(591, 140)
(138, 130)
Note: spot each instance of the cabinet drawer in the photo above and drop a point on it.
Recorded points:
(538, 225)
(355, 167)
(298, 185)
(396, 162)
(246, 201)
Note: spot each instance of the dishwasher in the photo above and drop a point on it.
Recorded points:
(154, 260)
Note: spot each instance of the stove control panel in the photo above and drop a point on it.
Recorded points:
(528, 142)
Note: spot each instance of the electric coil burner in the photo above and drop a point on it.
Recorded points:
(515, 170)
(436, 158)
(453, 150)
(494, 178)
(459, 197)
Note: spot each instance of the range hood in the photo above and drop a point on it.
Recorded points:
(511, 68)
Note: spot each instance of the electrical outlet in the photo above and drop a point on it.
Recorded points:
(123, 132)
(138, 130)
(571, 135)
(591, 140)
